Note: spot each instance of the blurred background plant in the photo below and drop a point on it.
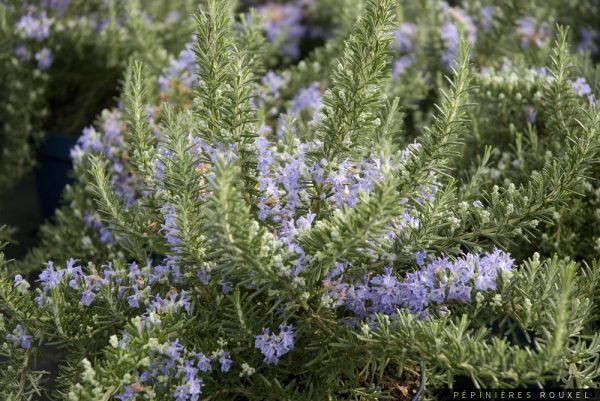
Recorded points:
(62, 62)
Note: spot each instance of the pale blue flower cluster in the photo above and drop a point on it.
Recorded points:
(181, 70)
(435, 285)
(34, 25)
(404, 38)
(133, 286)
(273, 82)
(92, 220)
(308, 97)
(283, 24)
(138, 288)
(286, 183)
(58, 7)
(108, 142)
(583, 89)
(456, 20)
(486, 16)
(589, 40)
(274, 346)
(182, 367)
(169, 227)
(44, 58)
(532, 32)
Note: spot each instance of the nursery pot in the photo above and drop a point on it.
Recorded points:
(52, 174)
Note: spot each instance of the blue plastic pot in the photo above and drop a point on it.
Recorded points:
(53, 172)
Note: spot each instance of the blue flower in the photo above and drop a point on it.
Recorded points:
(589, 40)
(420, 257)
(404, 37)
(402, 64)
(184, 301)
(18, 279)
(459, 291)
(307, 98)
(274, 82)
(451, 38)
(385, 292)
(265, 156)
(87, 297)
(170, 229)
(32, 26)
(106, 236)
(225, 361)
(581, 87)
(283, 24)
(58, 6)
(456, 20)
(128, 394)
(274, 346)
(22, 53)
(287, 337)
(203, 363)
(267, 346)
(49, 277)
(194, 386)
(439, 282)
(181, 393)
(181, 70)
(531, 32)
(134, 299)
(44, 58)
(19, 337)
(226, 286)
(304, 222)
(486, 15)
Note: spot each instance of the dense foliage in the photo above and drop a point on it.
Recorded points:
(411, 204)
